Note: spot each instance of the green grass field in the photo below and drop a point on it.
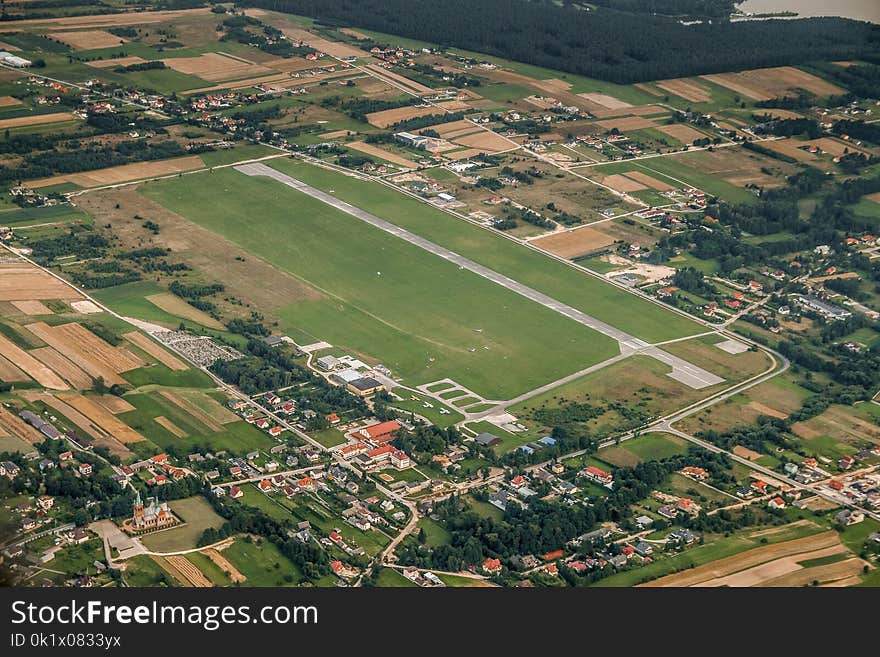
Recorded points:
(143, 571)
(262, 564)
(385, 297)
(198, 516)
(237, 437)
(210, 570)
(130, 300)
(681, 169)
(606, 302)
(389, 577)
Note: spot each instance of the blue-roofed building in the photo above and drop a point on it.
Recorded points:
(547, 440)
(526, 449)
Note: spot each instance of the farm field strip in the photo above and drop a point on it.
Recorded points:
(682, 370)
(30, 365)
(164, 356)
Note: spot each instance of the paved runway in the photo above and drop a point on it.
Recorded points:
(682, 370)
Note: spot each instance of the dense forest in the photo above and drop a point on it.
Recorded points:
(605, 44)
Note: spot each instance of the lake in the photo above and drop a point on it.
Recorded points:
(864, 10)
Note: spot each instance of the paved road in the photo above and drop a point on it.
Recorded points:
(691, 375)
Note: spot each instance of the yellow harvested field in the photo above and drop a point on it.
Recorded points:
(102, 418)
(715, 571)
(24, 282)
(77, 379)
(216, 411)
(627, 123)
(338, 134)
(180, 308)
(453, 128)
(463, 155)
(397, 80)
(158, 352)
(164, 422)
(779, 569)
(112, 20)
(767, 410)
(840, 573)
(388, 156)
(780, 113)
(387, 118)
(36, 119)
(767, 83)
(686, 89)
(113, 63)
(622, 183)
(791, 148)
(681, 132)
(30, 365)
(574, 243)
(746, 453)
(13, 425)
(124, 173)
(485, 141)
(188, 570)
(649, 181)
(9, 373)
(86, 350)
(113, 404)
(332, 48)
(216, 67)
(87, 39)
(9, 101)
(874, 197)
(454, 105)
(100, 436)
(225, 565)
(836, 147)
(609, 102)
(32, 307)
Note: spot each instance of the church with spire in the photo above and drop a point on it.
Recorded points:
(151, 515)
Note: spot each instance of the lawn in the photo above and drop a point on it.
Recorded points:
(435, 533)
(78, 559)
(143, 571)
(330, 437)
(198, 516)
(389, 577)
(590, 294)
(262, 563)
(211, 570)
(423, 316)
(650, 447)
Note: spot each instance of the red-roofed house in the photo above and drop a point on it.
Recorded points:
(776, 503)
(307, 483)
(350, 451)
(598, 475)
(551, 556)
(492, 566)
(235, 492)
(333, 418)
(551, 569)
(159, 459)
(265, 485)
(275, 431)
(380, 433)
(694, 472)
(759, 486)
(627, 551)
